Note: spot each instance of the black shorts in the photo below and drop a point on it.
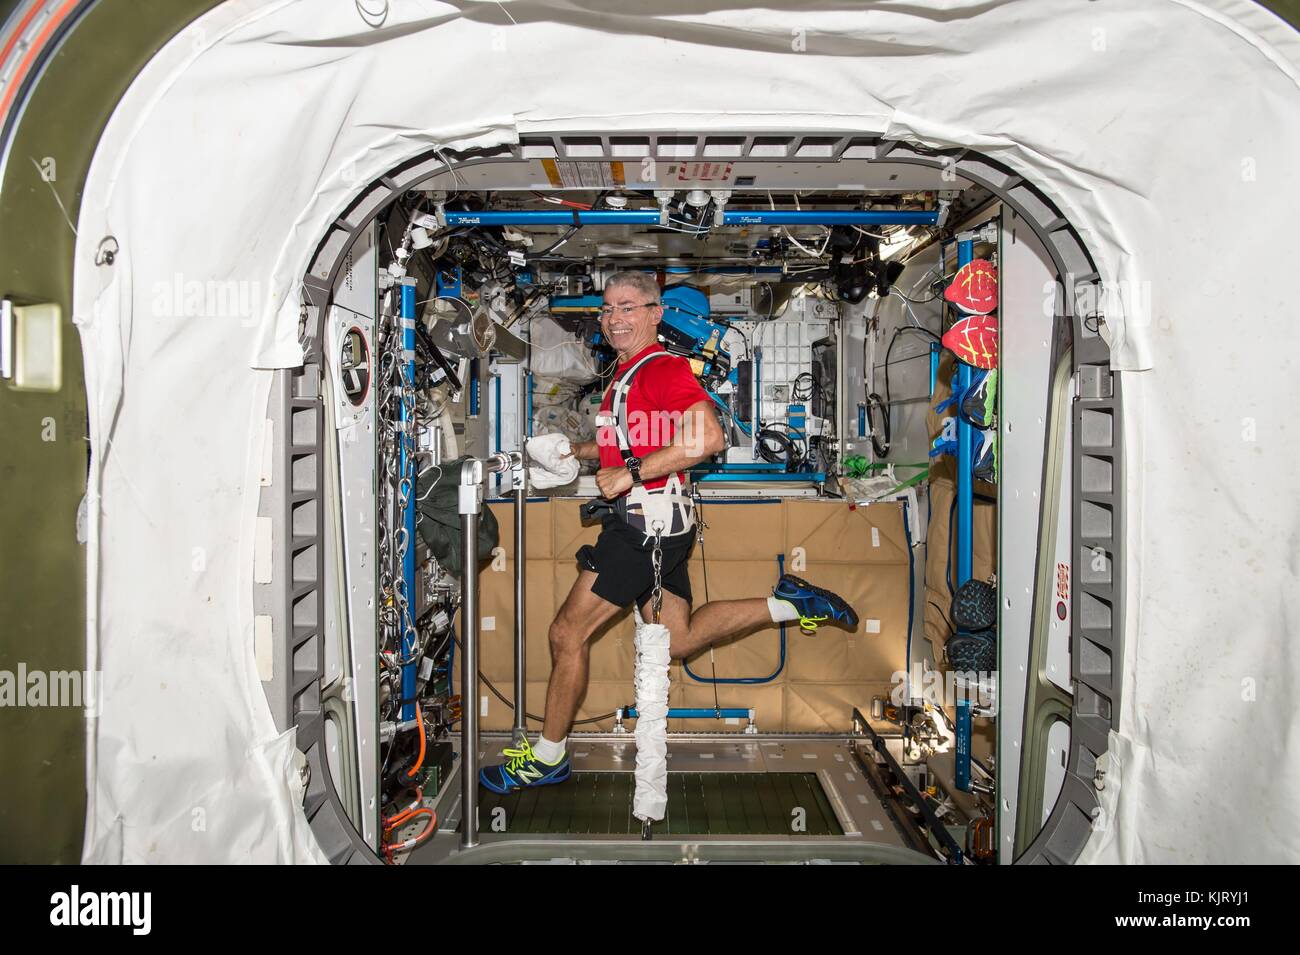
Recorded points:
(624, 568)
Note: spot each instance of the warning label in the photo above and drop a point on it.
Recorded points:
(1062, 581)
(718, 173)
(584, 175)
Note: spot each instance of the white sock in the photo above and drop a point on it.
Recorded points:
(781, 610)
(547, 751)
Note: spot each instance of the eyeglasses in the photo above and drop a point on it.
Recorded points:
(609, 310)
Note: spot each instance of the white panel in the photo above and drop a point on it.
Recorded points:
(1025, 324)
(38, 347)
(356, 513)
(909, 368)
(263, 647)
(263, 558)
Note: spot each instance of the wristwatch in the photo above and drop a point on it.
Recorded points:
(633, 464)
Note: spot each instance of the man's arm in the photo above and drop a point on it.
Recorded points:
(699, 437)
(586, 451)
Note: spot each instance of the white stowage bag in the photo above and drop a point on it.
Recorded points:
(650, 798)
(548, 465)
(555, 353)
(555, 409)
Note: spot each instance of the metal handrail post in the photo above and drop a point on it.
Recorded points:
(470, 506)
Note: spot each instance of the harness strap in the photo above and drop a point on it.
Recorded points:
(674, 509)
(618, 408)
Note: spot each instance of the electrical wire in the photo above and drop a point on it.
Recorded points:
(874, 235)
(924, 275)
(691, 228)
(455, 176)
(915, 301)
(820, 253)
(375, 19)
(907, 304)
(419, 722)
(567, 203)
(558, 242)
(704, 567)
(532, 716)
(564, 344)
(889, 350)
(425, 495)
(430, 827)
(795, 242)
(943, 613)
(874, 400)
(880, 447)
(801, 394)
(792, 456)
(771, 304)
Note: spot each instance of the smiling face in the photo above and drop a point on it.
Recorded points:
(633, 324)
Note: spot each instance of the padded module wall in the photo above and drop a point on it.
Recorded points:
(860, 553)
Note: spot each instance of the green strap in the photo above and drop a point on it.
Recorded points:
(910, 482)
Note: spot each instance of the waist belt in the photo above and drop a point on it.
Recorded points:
(667, 511)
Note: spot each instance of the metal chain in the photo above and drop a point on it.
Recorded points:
(657, 561)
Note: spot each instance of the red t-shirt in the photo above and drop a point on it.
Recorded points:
(661, 391)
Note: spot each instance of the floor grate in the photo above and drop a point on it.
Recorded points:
(699, 804)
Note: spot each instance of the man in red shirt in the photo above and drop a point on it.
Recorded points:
(670, 425)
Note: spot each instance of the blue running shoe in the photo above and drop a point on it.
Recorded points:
(813, 604)
(521, 770)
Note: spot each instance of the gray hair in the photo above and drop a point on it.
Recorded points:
(643, 282)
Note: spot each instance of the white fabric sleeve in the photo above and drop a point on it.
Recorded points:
(650, 797)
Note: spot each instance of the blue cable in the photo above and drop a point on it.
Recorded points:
(747, 680)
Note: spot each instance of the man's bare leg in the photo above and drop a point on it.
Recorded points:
(716, 620)
(581, 615)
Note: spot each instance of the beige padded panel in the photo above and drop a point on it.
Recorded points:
(938, 625)
(824, 677)
(818, 707)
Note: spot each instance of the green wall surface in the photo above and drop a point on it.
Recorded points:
(44, 453)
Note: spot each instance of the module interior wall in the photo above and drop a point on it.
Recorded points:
(860, 553)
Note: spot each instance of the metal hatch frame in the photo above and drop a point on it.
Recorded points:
(1097, 453)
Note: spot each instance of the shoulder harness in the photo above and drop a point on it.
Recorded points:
(667, 511)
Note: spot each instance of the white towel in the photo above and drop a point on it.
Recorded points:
(547, 466)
